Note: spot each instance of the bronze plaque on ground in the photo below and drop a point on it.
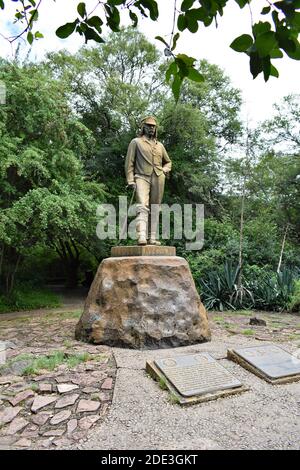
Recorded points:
(195, 377)
(269, 362)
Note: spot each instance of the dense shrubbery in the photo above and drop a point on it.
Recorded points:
(258, 289)
(295, 298)
(28, 297)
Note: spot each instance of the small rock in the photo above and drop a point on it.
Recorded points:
(30, 431)
(90, 367)
(23, 443)
(45, 388)
(87, 405)
(66, 401)
(54, 432)
(104, 409)
(107, 384)
(78, 435)
(41, 402)
(39, 378)
(257, 321)
(63, 442)
(87, 422)
(98, 375)
(21, 397)
(16, 425)
(7, 441)
(8, 414)
(10, 345)
(64, 388)
(32, 427)
(8, 379)
(90, 390)
(71, 426)
(104, 396)
(18, 366)
(87, 381)
(60, 417)
(76, 380)
(41, 418)
(63, 378)
(47, 442)
(18, 387)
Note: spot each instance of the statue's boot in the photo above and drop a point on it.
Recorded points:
(141, 226)
(154, 224)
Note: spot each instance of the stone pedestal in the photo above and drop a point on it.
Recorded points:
(143, 302)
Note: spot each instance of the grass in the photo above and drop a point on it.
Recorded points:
(218, 319)
(246, 313)
(162, 383)
(51, 318)
(174, 398)
(28, 298)
(294, 336)
(34, 387)
(49, 362)
(248, 332)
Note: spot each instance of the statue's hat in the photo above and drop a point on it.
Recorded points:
(149, 120)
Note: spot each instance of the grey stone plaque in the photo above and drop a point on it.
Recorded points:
(196, 374)
(270, 360)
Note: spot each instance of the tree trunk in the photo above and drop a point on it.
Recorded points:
(239, 283)
(282, 248)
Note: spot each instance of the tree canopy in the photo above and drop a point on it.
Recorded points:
(275, 33)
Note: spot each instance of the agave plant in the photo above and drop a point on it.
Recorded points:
(221, 290)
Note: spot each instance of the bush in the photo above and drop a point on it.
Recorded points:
(294, 305)
(260, 289)
(28, 297)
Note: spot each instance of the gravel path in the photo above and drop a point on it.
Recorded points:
(142, 417)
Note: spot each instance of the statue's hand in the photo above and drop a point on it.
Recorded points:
(132, 185)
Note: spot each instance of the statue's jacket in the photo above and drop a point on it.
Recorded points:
(145, 157)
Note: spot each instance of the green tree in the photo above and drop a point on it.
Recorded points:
(45, 197)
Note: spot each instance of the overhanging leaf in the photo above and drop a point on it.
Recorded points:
(176, 85)
(242, 43)
(186, 5)
(66, 30)
(175, 39)
(265, 43)
(81, 9)
(195, 75)
(242, 3)
(172, 70)
(159, 38)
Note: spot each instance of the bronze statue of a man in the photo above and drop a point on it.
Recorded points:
(146, 166)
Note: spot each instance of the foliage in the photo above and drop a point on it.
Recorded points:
(261, 289)
(28, 297)
(294, 305)
(45, 197)
(268, 40)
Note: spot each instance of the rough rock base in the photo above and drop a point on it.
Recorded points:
(143, 302)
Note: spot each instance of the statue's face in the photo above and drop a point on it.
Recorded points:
(149, 130)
